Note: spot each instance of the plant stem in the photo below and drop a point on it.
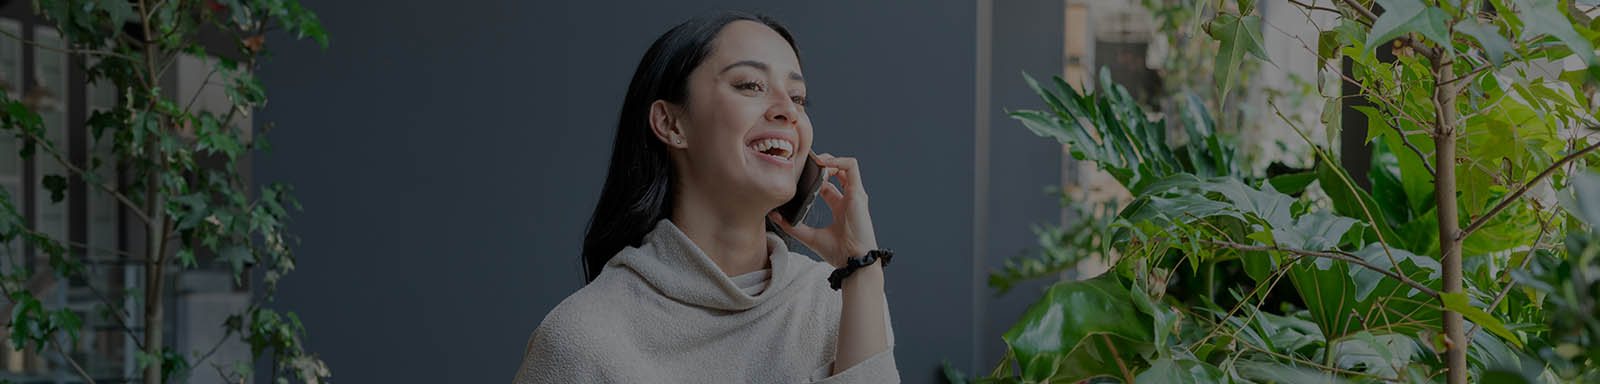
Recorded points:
(1506, 201)
(155, 231)
(1444, 187)
(1128, 376)
(1335, 256)
(74, 363)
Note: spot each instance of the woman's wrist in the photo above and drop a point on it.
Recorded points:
(865, 279)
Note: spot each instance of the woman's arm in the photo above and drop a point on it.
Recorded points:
(862, 329)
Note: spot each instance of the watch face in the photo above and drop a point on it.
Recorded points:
(796, 210)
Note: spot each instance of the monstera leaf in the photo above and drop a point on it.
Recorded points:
(1112, 130)
(1345, 299)
(1081, 329)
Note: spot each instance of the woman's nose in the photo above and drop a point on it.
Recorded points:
(783, 110)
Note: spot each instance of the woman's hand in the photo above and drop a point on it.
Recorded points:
(851, 234)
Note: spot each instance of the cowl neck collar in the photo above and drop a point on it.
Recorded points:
(669, 261)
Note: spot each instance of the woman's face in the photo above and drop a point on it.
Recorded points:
(745, 126)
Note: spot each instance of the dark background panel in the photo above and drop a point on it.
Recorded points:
(448, 156)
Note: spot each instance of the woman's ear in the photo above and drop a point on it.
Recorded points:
(664, 122)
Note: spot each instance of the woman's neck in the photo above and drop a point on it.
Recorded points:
(736, 241)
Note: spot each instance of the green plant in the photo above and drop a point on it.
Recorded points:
(181, 179)
(1447, 268)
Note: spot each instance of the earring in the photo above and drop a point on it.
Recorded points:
(678, 140)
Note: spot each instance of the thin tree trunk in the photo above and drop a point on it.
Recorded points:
(153, 321)
(1445, 114)
(156, 230)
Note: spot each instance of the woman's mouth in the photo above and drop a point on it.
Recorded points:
(776, 150)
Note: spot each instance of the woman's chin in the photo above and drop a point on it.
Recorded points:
(778, 193)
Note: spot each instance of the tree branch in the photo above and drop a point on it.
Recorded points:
(1417, 46)
(1420, 155)
(82, 173)
(1333, 256)
(1124, 367)
(86, 52)
(1315, 7)
(70, 361)
(1506, 201)
(1469, 74)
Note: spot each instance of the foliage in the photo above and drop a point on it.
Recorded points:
(1222, 277)
(181, 173)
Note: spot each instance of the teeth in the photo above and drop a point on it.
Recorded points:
(766, 144)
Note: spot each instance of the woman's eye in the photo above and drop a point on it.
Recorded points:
(749, 86)
(801, 100)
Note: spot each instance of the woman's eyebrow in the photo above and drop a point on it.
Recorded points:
(763, 67)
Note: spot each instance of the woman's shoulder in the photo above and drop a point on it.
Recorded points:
(563, 346)
(588, 308)
(580, 328)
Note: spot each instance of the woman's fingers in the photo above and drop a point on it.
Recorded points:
(831, 194)
(848, 171)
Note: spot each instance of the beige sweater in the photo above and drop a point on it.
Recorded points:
(664, 313)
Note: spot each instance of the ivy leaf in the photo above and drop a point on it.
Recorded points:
(66, 320)
(119, 10)
(1488, 36)
(186, 257)
(1405, 16)
(23, 324)
(1238, 35)
(57, 186)
(1458, 302)
(1247, 6)
(1328, 44)
(236, 256)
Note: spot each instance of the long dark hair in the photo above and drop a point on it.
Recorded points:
(638, 189)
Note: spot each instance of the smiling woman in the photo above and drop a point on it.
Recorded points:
(689, 276)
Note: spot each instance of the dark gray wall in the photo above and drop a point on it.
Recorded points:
(448, 156)
(1026, 37)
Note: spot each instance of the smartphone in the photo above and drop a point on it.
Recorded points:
(805, 192)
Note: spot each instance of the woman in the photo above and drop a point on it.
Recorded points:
(685, 281)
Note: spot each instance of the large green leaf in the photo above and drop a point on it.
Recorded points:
(1584, 201)
(1495, 46)
(1458, 302)
(1071, 332)
(1351, 201)
(1544, 18)
(1181, 370)
(1413, 175)
(1315, 231)
(1265, 203)
(1273, 372)
(1405, 16)
(1383, 355)
(1344, 298)
(1111, 129)
(1238, 35)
